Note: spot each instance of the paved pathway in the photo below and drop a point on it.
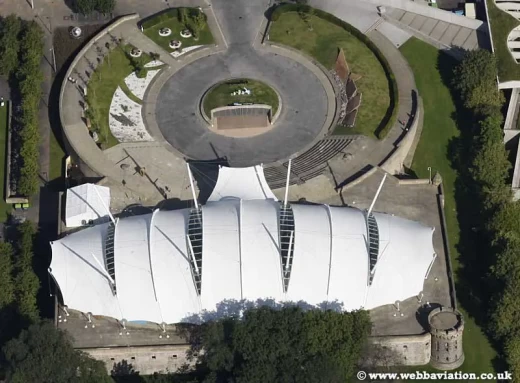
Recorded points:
(235, 55)
(304, 95)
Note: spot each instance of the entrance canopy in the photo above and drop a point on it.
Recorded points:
(85, 203)
(241, 183)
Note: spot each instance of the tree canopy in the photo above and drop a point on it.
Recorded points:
(6, 275)
(43, 353)
(29, 79)
(475, 79)
(26, 281)
(10, 28)
(286, 345)
(498, 216)
(86, 7)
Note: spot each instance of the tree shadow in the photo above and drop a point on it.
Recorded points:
(476, 256)
(459, 154)
(125, 372)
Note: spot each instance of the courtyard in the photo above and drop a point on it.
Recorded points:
(148, 113)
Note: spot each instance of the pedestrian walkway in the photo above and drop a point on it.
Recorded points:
(442, 34)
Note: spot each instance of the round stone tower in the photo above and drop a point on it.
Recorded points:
(446, 327)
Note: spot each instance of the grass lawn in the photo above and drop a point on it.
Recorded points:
(221, 95)
(4, 207)
(502, 24)
(439, 128)
(57, 156)
(322, 44)
(110, 74)
(205, 37)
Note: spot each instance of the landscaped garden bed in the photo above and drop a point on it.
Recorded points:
(246, 91)
(108, 76)
(321, 35)
(171, 29)
(502, 24)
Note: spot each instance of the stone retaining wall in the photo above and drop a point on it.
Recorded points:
(393, 164)
(445, 241)
(406, 350)
(85, 137)
(144, 359)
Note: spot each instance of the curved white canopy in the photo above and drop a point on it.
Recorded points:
(240, 260)
(241, 183)
(170, 266)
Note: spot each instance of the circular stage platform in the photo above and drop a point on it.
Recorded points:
(304, 107)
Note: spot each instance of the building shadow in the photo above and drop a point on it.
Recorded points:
(205, 173)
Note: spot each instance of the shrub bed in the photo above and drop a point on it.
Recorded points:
(158, 19)
(391, 114)
(177, 20)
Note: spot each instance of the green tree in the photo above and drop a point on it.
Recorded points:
(183, 17)
(197, 22)
(475, 79)
(490, 165)
(306, 13)
(30, 79)
(6, 275)
(43, 353)
(512, 350)
(286, 345)
(10, 28)
(26, 281)
(85, 7)
(105, 6)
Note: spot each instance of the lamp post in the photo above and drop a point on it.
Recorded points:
(53, 59)
(430, 170)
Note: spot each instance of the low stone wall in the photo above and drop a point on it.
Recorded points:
(445, 241)
(405, 350)
(85, 137)
(402, 350)
(394, 163)
(143, 359)
(513, 101)
(421, 181)
(509, 84)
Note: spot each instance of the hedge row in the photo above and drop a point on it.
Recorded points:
(30, 79)
(169, 14)
(394, 93)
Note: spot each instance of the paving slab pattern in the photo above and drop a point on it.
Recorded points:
(444, 32)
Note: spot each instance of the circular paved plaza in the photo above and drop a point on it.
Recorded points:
(303, 107)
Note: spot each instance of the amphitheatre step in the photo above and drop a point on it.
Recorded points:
(309, 164)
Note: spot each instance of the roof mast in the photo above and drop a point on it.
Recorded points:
(377, 195)
(192, 188)
(287, 184)
(104, 205)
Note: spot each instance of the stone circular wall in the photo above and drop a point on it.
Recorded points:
(446, 327)
(300, 122)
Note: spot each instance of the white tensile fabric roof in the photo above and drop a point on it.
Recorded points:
(240, 260)
(241, 183)
(86, 202)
